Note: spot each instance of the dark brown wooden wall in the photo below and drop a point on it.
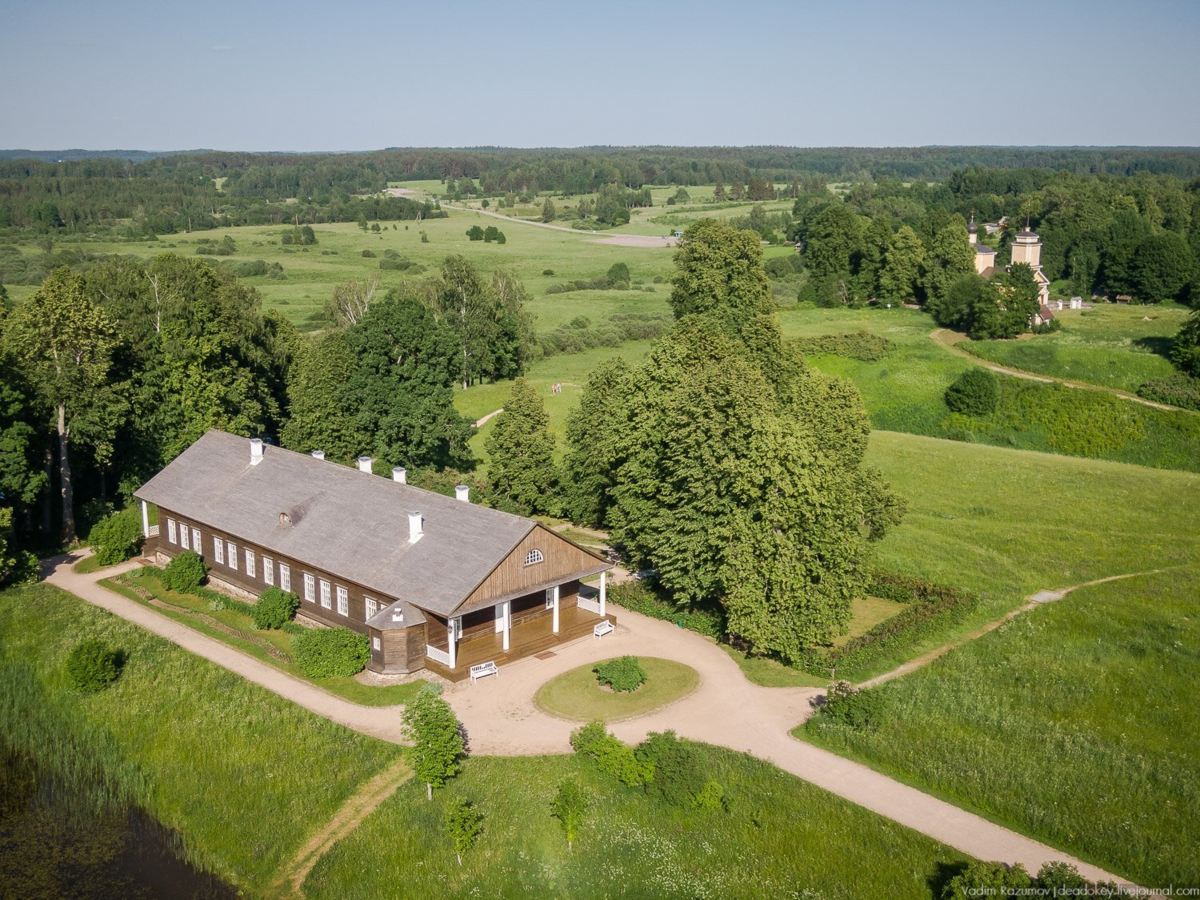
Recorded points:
(356, 619)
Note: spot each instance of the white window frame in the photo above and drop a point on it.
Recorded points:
(231, 554)
(343, 601)
(183, 536)
(310, 588)
(285, 576)
(371, 605)
(375, 643)
(326, 595)
(549, 598)
(197, 540)
(533, 557)
(219, 550)
(268, 570)
(251, 563)
(171, 531)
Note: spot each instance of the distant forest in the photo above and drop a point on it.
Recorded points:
(147, 194)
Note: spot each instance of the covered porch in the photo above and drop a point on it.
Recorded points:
(514, 629)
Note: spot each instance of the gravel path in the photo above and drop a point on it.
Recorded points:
(501, 719)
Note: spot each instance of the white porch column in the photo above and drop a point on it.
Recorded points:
(554, 615)
(145, 520)
(451, 644)
(603, 593)
(507, 622)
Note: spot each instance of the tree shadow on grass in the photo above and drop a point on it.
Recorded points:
(1160, 346)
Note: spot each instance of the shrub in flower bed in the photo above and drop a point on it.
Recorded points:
(186, 572)
(330, 652)
(621, 674)
(275, 608)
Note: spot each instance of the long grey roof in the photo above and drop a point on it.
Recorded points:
(349, 523)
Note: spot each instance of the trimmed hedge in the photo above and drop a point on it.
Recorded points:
(92, 666)
(638, 597)
(274, 609)
(185, 572)
(861, 345)
(932, 607)
(330, 652)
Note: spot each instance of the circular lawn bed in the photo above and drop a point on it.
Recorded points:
(577, 695)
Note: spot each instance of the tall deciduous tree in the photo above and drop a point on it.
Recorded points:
(406, 364)
(1162, 267)
(521, 450)
(436, 733)
(323, 412)
(950, 257)
(594, 443)
(717, 266)
(901, 273)
(65, 344)
(464, 303)
(350, 301)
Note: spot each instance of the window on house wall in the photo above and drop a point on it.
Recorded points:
(231, 551)
(171, 531)
(197, 544)
(325, 594)
(219, 550)
(533, 556)
(310, 588)
(549, 598)
(343, 598)
(268, 570)
(183, 537)
(285, 577)
(372, 607)
(375, 643)
(251, 563)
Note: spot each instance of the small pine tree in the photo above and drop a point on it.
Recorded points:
(569, 806)
(436, 733)
(549, 213)
(522, 452)
(464, 824)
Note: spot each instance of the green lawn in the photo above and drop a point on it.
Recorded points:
(1074, 723)
(271, 647)
(780, 838)
(577, 695)
(243, 774)
(869, 612)
(1113, 345)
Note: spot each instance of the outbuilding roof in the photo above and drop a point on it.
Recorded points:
(339, 520)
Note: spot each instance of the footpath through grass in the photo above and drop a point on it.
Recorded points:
(1114, 345)
(780, 837)
(1075, 723)
(241, 773)
(204, 612)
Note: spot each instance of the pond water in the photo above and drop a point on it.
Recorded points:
(55, 843)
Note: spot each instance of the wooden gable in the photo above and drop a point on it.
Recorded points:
(560, 561)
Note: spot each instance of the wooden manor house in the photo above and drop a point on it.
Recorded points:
(435, 582)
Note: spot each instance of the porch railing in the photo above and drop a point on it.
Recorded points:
(440, 656)
(153, 531)
(592, 606)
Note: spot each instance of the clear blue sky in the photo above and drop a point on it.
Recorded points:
(361, 75)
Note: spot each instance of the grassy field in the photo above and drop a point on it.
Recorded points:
(577, 695)
(1114, 345)
(243, 774)
(235, 628)
(1075, 723)
(780, 838)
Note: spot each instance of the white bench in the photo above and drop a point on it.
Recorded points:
(484, 669)
(600, 629)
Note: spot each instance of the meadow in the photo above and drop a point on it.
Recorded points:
(796, 840)
(1115, 345)
(232, 768)
(1073, 723)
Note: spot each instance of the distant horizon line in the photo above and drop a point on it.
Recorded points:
(503, 147)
